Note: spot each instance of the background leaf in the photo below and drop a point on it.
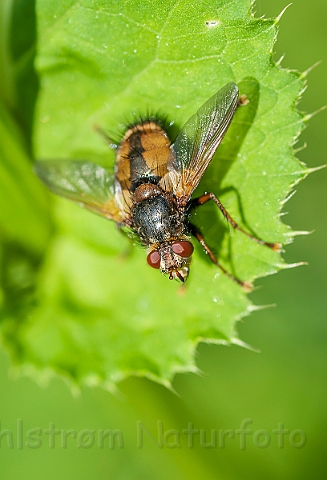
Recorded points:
(18, 80)
(24, 215)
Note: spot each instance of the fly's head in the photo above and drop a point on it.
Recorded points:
(172, 258)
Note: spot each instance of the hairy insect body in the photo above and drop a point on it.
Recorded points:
(156, 216)
(142, 156)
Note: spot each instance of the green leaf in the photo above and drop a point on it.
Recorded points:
(24, 213)
(18, 80)
(101, 313)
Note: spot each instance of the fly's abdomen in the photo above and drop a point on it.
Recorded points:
(143, 153)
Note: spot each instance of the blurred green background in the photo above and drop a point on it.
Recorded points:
(282, 387)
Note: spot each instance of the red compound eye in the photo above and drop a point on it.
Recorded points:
(153, 259)
(184, 249)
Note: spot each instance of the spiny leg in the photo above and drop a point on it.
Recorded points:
(198, 235)
(196, 202)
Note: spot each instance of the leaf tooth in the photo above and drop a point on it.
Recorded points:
(286, 266)
(254, 308)
(288, 198)
(240, 343)
(304, 146)
(315, 169)
(298, 232)
(308, 116)
(281, 14)
(280, 60)
(308, 70)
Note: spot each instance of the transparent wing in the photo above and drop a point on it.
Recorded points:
(86, 183)
(199, 139)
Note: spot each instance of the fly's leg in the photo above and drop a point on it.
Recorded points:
(196, 202)
(198, 235)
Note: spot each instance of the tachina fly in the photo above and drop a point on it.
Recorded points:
(150, 191)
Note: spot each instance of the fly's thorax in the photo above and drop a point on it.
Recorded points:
(145, 191)
(156, 216)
